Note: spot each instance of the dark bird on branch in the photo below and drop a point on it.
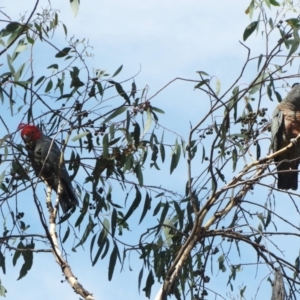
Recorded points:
(44, 155)
(285, 127)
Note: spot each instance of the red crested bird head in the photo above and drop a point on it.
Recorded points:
(29, 133)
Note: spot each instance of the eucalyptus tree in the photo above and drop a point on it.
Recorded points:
(223, 217)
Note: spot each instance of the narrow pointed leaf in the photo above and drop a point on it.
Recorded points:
(118, 71)
(134, 205)
(249, 30)
(112, 262)
(63, 52)
(117, 112)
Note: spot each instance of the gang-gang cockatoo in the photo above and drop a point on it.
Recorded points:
(44, 155)
(285, 127)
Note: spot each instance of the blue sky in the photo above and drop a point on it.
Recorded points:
(167, 39)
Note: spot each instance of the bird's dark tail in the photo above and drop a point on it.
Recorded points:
(68, 197)
(288, 180)
(287, 171)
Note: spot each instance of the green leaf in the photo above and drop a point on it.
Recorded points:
(234, 219)
(53, 66)
(120, 90)
(2, 262)
(249, 30)
(179, 213)
(113, 222)
(92, 245)
(112, 142)
(127, 125)
(39, 80)
(30, 40)
(12, 27)
(11, 68)
(149, 283)
(157, 110)
(76, 82)
(274, 3)
(49, 86)
(135, 204)
(17, 167)
(11, 100)
(104, 242)
(28, 260)
(259, 61)
(197, 86)
(104, 232)
(164, 212)
(136, 134)
(268, 3)
(159, 195)
(218, 86)
(221, 175)
(65, 29)
(17, 253)
(147, 206)
(105, 146)
(112, 132)
(129, 162)
(162, 152)
(278, 96)
(257, 84)
(18, 74)
(221, 263)
(87, 232)
(14, 37)
(117, 112)
(175, 157)
(242, 291)
(75, 6)
(166, 231)
(118, 71)
(112, 262)
(66, 235)
(258, 152)
(202, 73)
(1, 95)
(140, 278)
(294, 48)
(80, 218)
(234, 158)
(3, 290)
(294, 23)
(106, 249)
(271, 23)
(297, 264)
(100, 88)
(65, 217)
(139, 174)
(148, 121)
(133, 92)
(269, 89)
(64, 51)
(80, 136)
(2, 176)
(268, 220)
(65, 96)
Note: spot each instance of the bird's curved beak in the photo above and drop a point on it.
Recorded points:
(26, 138)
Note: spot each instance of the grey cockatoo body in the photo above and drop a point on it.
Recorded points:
(285, 126)
(44, 155)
